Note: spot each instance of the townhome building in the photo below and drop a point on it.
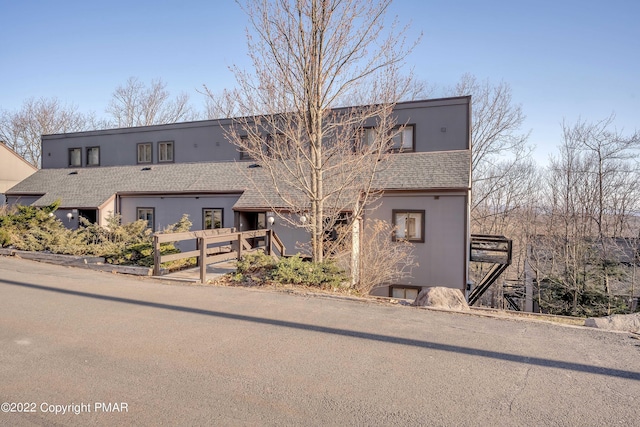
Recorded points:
(158, 173)
(13, 169)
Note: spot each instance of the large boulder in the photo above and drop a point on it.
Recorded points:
(439, 297)
(616, 322)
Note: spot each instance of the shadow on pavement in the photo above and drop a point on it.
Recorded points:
(548, 363)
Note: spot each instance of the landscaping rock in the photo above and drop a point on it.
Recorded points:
(439, 297)
(616, 322)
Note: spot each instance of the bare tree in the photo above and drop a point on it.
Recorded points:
(309, 57)
(499, 147)
(503, 174)
(135, 104)
(609, 172)
(591, 202)
(386, 261)
(21, 130)
(220, 105)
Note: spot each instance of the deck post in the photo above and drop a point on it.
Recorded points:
(203, 259)
(156, 255)
(267, 246)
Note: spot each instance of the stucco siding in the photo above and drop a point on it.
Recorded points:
(442, 256)
(440, 125)
(21, 200)
(440, 128)
(193, 142)
(295, 239)
(107, 210)
(169, 209)
(13, 169)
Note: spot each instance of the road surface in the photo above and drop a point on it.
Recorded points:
(79, 347)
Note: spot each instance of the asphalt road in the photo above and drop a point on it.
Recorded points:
(78, 341)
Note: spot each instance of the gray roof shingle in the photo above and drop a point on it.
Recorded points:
(92, 187)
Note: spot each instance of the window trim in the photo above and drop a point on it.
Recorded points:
(89, 164)
(69, 157)
(401, 129)
(173, 151)
(212, 218)
(396, 129)
(395, 212)
(279, 146)
(138, 145)
(153, 216)
(243, 153)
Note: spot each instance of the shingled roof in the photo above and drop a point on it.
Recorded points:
(92, 187)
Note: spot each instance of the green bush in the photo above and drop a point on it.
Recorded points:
(5, 238)
(255, 262)
(36, 229)
(33, 229)
(295, 270)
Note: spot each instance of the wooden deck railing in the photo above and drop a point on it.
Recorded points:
(213, 246)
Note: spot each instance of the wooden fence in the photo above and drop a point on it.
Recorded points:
(213, 246)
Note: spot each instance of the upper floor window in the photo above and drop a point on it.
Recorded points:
(165, 151)
(93, 156)
(403, 139)
(409, 225)
(211, 218)
(243, 153)
(146, 214)
(144, 153)
(278, 145)
(75, 157)
(369, 136)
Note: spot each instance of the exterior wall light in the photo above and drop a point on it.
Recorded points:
(69, 216)
(271, 220)
(303, 219)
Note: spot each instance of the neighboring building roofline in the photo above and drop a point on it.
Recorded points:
(11, 151)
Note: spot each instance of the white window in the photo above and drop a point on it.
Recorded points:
(144, 153)
(93, 156)
(147, 214)
(165, 151)
(243, 153)
(211, 218)
(370, 135)
(404, 293)
(75, 156)
(403, 139)
(409, 225)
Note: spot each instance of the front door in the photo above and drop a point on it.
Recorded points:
(247, 221)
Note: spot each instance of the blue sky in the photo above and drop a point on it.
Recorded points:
(563, 59)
